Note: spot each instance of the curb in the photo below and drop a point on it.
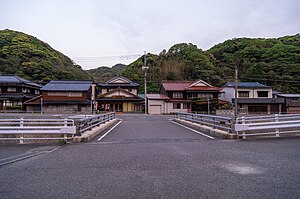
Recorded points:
(207, 130)
(88, 135)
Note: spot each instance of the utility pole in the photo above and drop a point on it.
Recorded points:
(145, 68)
(208, 109)
(235, 96)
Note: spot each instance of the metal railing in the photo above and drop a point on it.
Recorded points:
(91, 122)
(36, 127)
(213, 121)
(268, 125)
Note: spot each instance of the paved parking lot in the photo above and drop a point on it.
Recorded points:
(150, 157)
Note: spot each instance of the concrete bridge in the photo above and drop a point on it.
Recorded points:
(151, 157)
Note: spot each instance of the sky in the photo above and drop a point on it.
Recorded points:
(97, 33)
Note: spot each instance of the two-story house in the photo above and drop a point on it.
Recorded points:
(119, 94)
(14, 91)
(252, 98)
(59, 96)
(291, 103)
(183, 96)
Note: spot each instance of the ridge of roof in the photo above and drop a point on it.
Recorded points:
(246, 85)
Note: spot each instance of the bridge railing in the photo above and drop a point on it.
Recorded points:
(213, 121)
(32, 129)
(268, 125)
(91, 122)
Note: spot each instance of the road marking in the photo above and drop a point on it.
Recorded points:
(23, 156)
(193, 130)
(18, 158)
(109, 131)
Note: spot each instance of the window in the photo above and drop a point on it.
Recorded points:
(26, 90)
(74, 94)
(130, 90)
(177, 95)
(262, 93)
(186, 105)
(242, 106)
(37, 92)
(200, 95)
(205, 95)
(243, 94)
(12, 103)
(192, 95)
(11, 89)
(176, 106)
(53, 93)
(258, 109)
(294, 100)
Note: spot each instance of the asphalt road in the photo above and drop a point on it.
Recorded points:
(150, 157)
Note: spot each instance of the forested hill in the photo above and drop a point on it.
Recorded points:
(104, 73)
(274, 62)
(35, 60)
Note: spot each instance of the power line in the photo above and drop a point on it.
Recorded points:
(106, 58)
(271, 80)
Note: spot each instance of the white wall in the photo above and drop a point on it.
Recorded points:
(159, 103)
(229, 93)
(172, 110)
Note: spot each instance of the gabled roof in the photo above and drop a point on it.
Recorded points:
(246, 85)
(119, 89)
(176, 85)
(199, 85)
(119, 81)
(65, 85)
(17, 80)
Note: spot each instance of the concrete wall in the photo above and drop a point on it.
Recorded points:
(66, 109)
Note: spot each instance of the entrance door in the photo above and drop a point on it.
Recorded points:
(118, 107)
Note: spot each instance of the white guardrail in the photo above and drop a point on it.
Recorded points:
(213, 121)
(91, 122)
(23, 127)
(268, 125)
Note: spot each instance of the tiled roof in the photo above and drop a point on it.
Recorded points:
(60, 85)
(203, 88)
(132, 84)
(188, 86)
(246, 85)
(157, 96)
(176, 85)
(119, 77)
(289, 95)
(17, 80)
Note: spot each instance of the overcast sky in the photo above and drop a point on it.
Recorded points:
(105, 32)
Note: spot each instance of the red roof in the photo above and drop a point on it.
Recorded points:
(157, 96)
(188, 86)
(203, 88)
(176, 85)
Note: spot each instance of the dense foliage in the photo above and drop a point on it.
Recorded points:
(30, 58)
(104, 73)
(274, 62)
(181, 62)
